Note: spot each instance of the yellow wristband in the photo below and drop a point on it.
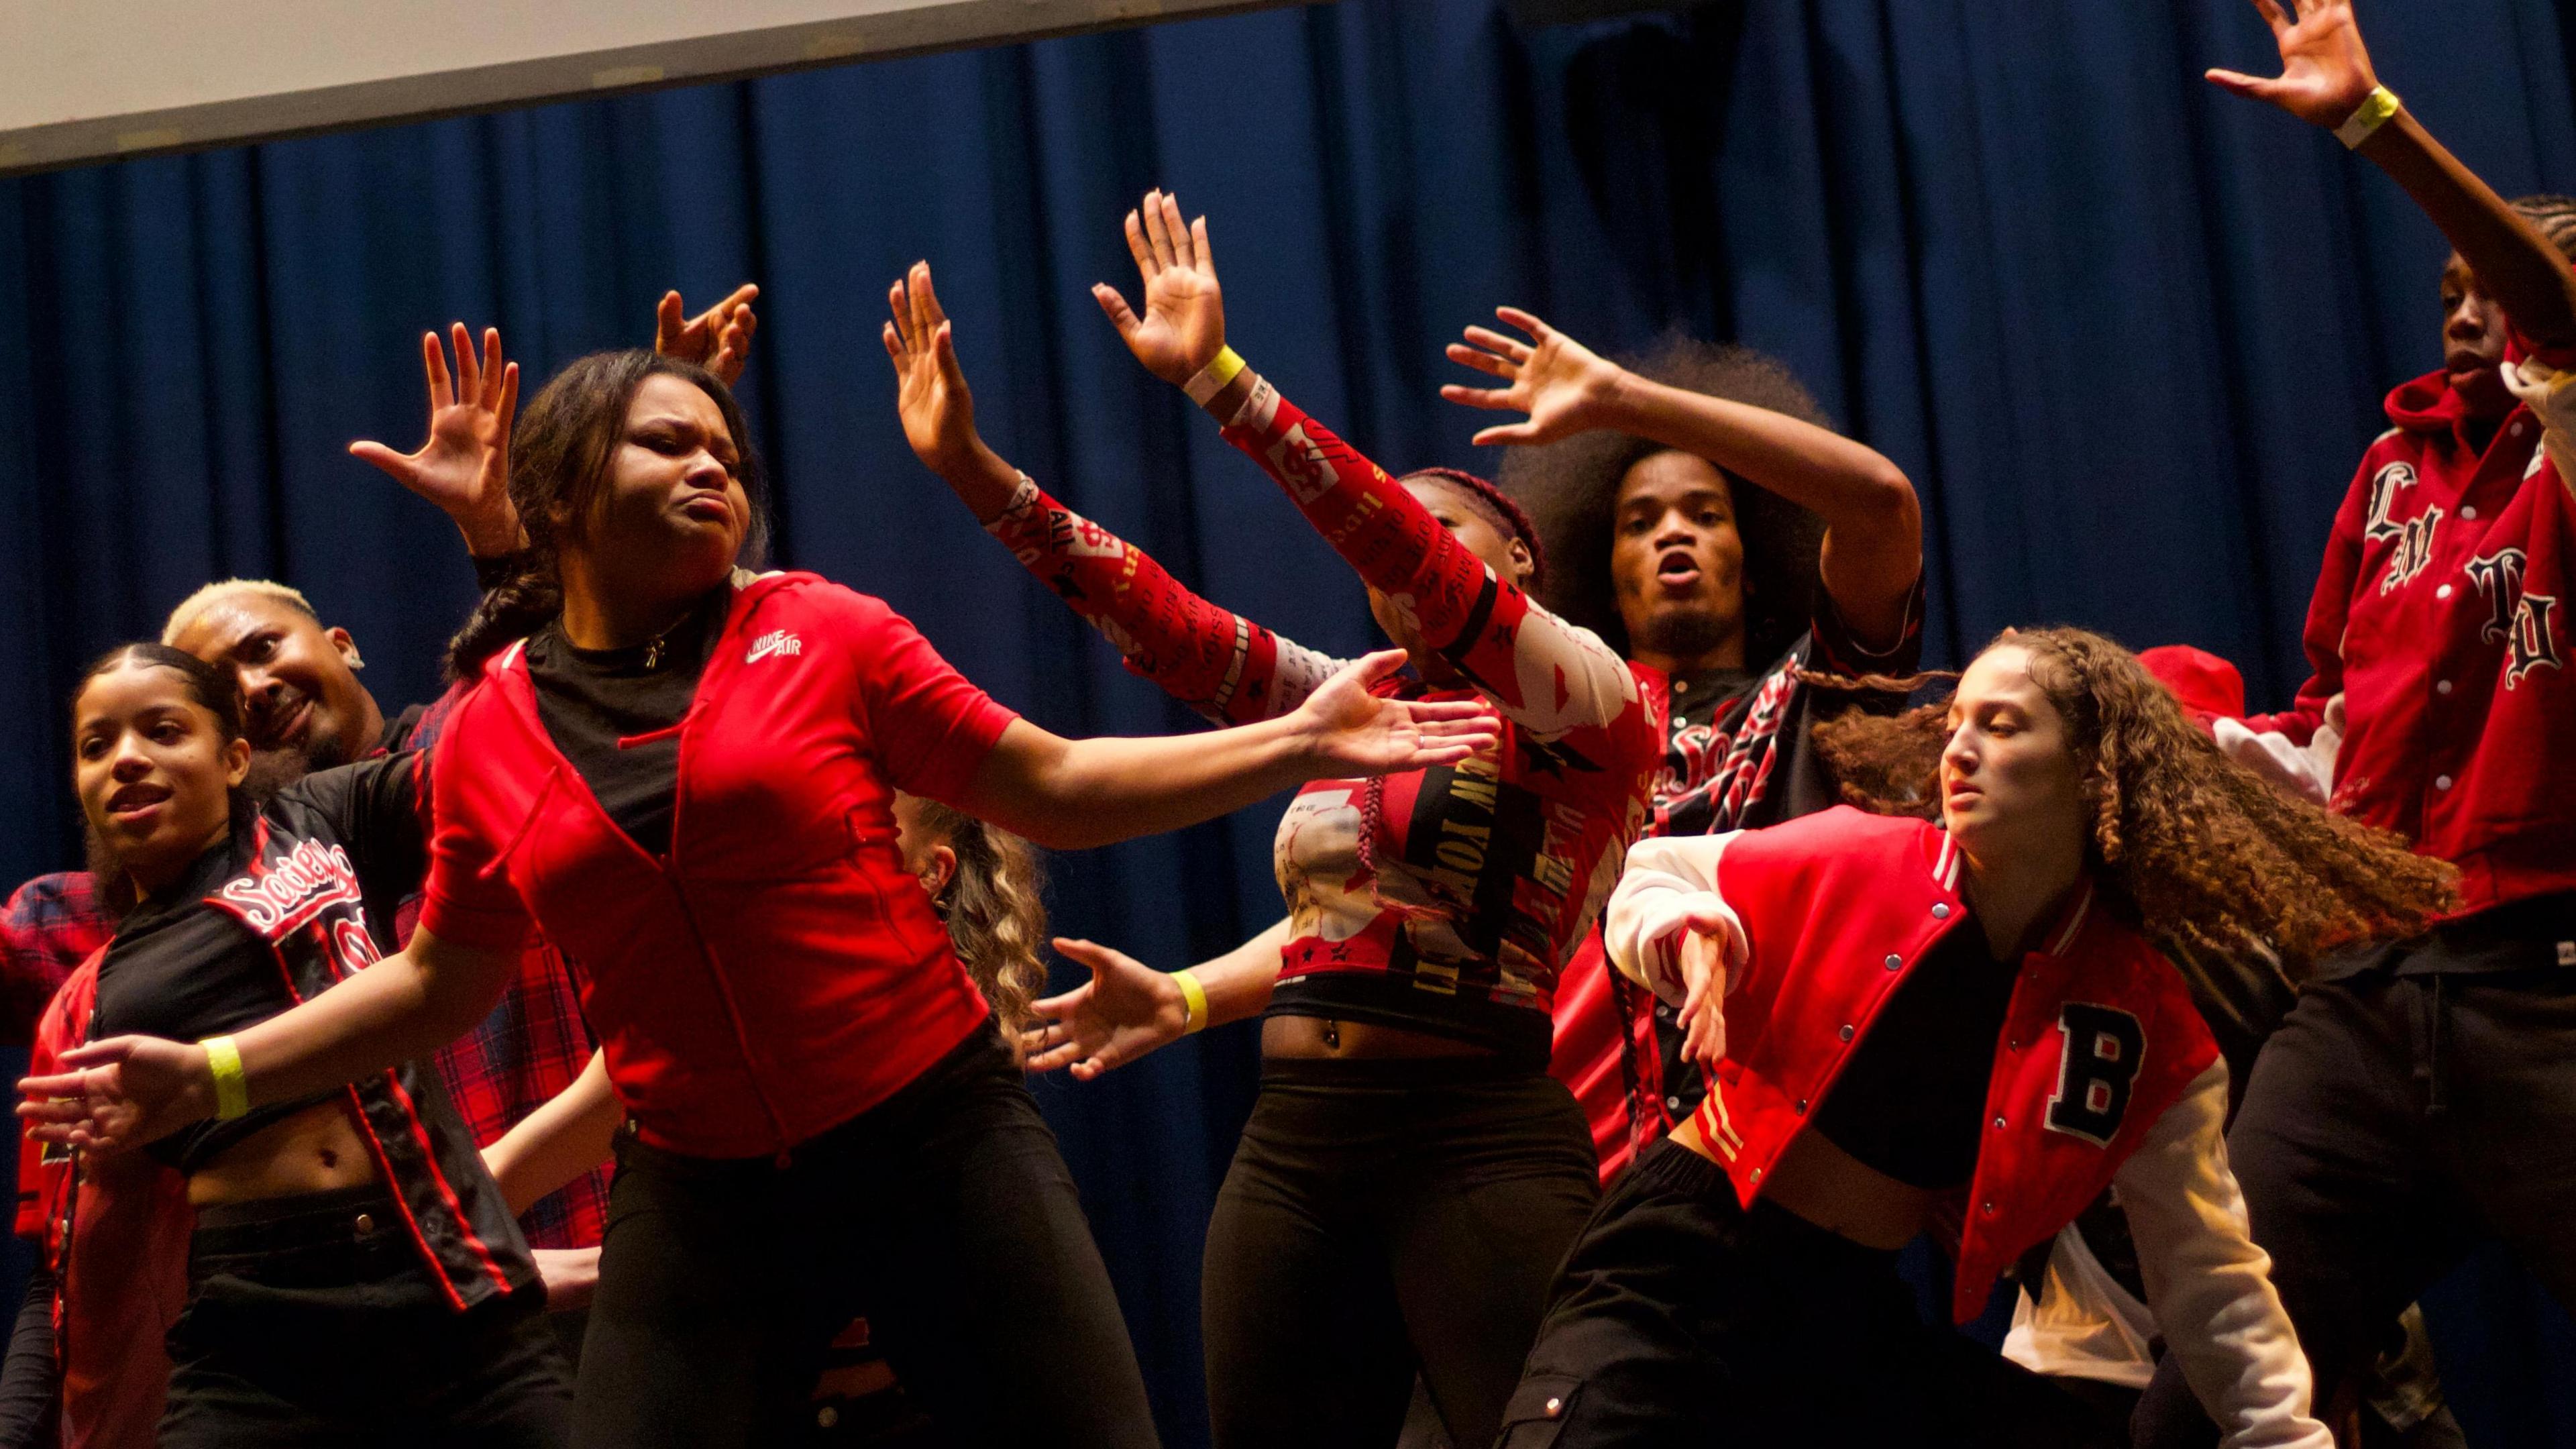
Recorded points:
(2369, 116)
(1212, 378)
(1193, 1001)
(232, 1087)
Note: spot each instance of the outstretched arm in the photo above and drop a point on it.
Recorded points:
(2326, 79)
(130, 1090)
(1128, 1008)
(1217, 662)
(1547, 675)
(1074, 794)
(1873, 546)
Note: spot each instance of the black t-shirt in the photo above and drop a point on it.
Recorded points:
(615, 713)
(182, 966)
(1911, 1101)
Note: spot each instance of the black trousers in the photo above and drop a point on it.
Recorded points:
(307, 1327)
(1382, 1217)
(944, 1215)
(1683, 1319)
(2391, 1125)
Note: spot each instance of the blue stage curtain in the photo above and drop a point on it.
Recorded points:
(2127, 334)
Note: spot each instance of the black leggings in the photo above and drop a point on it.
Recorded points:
(1382, 1216)
(2393, 1124)
(312, 1322)
(944, 1215)
(1684, 1318)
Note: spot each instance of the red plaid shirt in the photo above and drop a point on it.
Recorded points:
(531, 1047)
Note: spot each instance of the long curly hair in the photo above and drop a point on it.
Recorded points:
(559, 458)
(2195, 850)
(996, 912)
(1571, 489)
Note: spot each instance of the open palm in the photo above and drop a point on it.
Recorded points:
(1564, 386)
(464, 467)
(1360, 732)
(2325, 69)
(1125, 1010)
(1183, 328)
(931, 395)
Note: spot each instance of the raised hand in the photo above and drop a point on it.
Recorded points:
(1183, 328)
(119, 1093)
(938, 409)
(464, 467)
(717, 339)
(1358, 732)
(2325, 70)
(1125, 1010)
(1564, 386)
(1712, 946)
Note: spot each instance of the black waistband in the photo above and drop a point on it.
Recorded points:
(1677, 1169)
(1398, 1074)
(340, 1215)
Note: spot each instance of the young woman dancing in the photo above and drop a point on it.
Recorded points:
(683, 774)
(1971, 1029)
(334, 1214)
(1410, 1175)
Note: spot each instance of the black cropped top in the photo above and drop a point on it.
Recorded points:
(1912, 1100)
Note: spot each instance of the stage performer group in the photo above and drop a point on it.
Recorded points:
(629, 1046)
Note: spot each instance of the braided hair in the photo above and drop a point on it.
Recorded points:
(2555, 216)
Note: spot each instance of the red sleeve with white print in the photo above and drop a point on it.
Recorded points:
(2328, 610)
(1545, 675)
(1217, 662)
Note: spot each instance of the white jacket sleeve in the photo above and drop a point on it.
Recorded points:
(1666, 879)
(2208, 1284)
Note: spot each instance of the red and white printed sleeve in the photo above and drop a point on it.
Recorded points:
(1217, 662)
(1548, 676)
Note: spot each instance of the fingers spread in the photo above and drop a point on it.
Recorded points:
(433, 362)
(1491, 340)
(1486, 362)
(668, 319)
(1474, 397)
(1140, 249)
(1159, 240)
(469, 371)
(1183, 251)
(1115, 306)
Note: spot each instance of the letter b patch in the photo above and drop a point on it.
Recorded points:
(2104, 1048)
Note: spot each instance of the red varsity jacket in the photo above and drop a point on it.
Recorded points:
(2101, 1036)
(2442, 616)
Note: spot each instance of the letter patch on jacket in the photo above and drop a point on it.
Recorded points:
(2104, 1049)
